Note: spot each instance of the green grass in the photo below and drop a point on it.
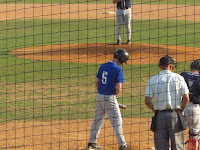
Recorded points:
(53, 90)
(20, 33)
(67, 91)
(165, 2)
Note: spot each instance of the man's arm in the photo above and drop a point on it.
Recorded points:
(118, 88)
(97, 83)
(149, 103)
(185, 101)
(116, 1)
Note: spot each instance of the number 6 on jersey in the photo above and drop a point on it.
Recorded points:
(104, 77)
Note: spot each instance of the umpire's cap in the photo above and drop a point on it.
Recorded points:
(167, 60)
(195, 64)
(121, 55)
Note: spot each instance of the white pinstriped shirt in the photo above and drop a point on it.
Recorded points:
(167, 89)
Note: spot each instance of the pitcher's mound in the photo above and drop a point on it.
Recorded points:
(101, 52)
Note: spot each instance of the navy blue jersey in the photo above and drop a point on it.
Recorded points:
(124, 4)
(190, 79)
(196, 91)
(109, 75)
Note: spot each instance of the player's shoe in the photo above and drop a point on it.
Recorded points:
(93, 146)
(123, 148)
(128, 41)
(118, 42)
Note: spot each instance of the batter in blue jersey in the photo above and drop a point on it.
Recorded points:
(109, 81)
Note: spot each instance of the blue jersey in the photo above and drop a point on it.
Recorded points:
(196, 89)
(124, 4)
(190, 79)
(109, 75)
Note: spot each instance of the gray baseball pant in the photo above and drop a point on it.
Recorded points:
(192, 115)
(124, 17)
(107, 104)
(167, 126)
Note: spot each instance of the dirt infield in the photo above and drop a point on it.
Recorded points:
(94, 11)
(100, 53)
(87, 53)
(74, 134)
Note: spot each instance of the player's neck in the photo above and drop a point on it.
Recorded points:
(195, 71)
(116, 61)
(169, 67)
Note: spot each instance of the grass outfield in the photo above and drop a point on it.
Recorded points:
(55, 90)
(28, 33)
(45, 90)
(163, 2)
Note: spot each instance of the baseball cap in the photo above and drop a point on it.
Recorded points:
(167, 60)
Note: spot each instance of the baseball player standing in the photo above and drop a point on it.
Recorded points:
(192, 112)
(109, 81)
(123, 17)
(170, 94)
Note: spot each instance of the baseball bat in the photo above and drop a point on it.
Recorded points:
(122, 106)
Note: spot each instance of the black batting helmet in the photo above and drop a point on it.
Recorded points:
(195, 64)
(121, 55)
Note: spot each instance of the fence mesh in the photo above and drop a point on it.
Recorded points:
(51, 51)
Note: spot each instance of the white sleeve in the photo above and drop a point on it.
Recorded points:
(148, 91)
(184, 87)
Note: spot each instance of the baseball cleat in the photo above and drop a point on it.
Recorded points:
(128, 41)
(93, 146)
(118, 42)
(123, 148)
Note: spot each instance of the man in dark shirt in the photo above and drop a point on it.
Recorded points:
(192, 112)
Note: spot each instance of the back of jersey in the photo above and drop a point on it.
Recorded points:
(109, 74)
(190, 78)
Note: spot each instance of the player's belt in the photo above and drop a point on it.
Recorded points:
(123, 8)
(167, 110)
